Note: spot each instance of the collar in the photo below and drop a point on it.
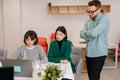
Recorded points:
(29, 47)
(99, 16)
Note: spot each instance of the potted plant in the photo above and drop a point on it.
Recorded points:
(52, 72)
(49, 5)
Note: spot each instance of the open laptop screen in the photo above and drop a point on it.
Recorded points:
(22, 68)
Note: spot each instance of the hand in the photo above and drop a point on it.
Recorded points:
(21, 58)
(65, 61)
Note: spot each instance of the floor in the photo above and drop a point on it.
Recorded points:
(107, 73)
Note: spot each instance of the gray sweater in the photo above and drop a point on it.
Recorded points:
(35, 53)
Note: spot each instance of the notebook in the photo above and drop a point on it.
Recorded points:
(6, 73)
(22, 68)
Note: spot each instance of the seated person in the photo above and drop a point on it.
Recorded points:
(30, 51)
(60, 49)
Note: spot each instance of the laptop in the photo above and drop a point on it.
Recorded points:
(22, 68)
(7, 73)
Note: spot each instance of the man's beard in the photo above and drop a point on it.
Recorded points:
(93, 18)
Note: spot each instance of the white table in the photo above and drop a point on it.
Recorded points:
(68, 73)
(26, 78)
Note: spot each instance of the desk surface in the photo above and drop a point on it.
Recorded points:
(26, 78)
(67, 74)
(80, 45)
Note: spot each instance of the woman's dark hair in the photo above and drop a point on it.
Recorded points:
(63, 30)
(32, 34)
(95, 3)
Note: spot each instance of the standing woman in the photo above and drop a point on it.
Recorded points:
(60, 49)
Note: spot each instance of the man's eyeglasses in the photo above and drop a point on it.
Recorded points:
(91, 12)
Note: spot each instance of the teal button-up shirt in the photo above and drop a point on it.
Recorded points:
(95, 33)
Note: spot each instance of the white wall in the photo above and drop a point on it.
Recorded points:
(12, 25)
(1, 26)
(114, 33)
(22, 15)
(34, 16)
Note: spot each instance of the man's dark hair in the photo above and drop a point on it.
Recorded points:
(95, 3)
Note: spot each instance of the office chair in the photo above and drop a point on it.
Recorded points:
(76, 56)
(3, 53)
(118, 50)
(43, 42)
(52, 37)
